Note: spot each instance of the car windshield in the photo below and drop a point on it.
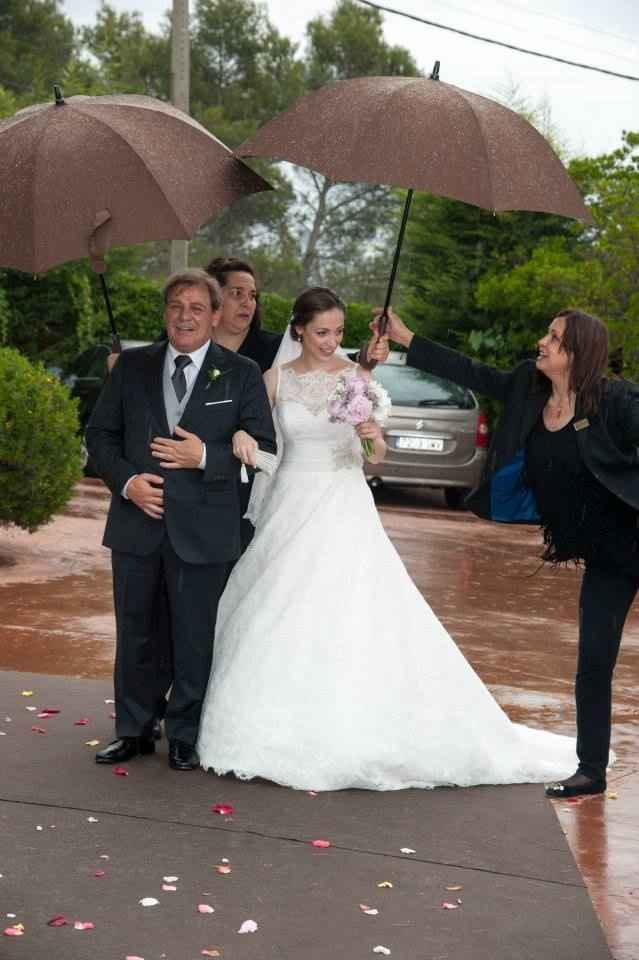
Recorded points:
(409, 387)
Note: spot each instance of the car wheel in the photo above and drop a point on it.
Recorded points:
(84, 454)
(455, 497)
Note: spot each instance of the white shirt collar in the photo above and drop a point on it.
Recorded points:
(197, 357)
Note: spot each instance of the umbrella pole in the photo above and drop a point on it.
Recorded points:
(383, 319)
(116, 346)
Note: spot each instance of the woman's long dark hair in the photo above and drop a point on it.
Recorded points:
(585, 337)
(220, 267)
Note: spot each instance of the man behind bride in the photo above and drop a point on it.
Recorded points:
(168, 435)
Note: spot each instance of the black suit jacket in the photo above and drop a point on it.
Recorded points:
(201, 507)
(607, 440)
(261, 346)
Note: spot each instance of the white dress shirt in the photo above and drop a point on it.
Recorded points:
(191, 371)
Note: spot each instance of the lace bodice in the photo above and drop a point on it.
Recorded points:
(309, 440)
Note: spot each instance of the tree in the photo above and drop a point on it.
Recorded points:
(36, 43)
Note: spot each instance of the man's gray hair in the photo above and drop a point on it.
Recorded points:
(194, 278)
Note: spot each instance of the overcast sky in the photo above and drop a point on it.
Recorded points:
(590, 109)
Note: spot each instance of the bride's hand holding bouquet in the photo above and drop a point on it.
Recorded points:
(370, 433)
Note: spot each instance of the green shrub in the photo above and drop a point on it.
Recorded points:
(39, 442)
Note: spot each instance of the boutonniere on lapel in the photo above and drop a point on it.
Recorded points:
(214, 375)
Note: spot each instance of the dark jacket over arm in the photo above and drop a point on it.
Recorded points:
(607, 440)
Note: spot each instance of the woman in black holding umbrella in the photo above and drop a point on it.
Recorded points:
(564, 454)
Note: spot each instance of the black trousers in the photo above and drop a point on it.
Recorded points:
(192, 592)
(605, 599)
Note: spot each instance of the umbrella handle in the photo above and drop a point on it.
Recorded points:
(383, 319)
(107, 300)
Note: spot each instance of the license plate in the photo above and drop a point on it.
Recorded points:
(420, 443)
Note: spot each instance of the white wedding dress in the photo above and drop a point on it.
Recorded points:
(330, 669)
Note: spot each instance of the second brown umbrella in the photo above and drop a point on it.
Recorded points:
(421, 134)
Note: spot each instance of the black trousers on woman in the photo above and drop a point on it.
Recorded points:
(605, 599)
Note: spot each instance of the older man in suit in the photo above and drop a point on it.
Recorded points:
(172, 426)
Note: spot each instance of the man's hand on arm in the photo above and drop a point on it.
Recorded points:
(145, 491)
(184, 454)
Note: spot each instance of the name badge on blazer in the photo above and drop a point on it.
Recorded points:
(581, 424)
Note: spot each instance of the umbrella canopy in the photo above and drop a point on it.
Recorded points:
(79, 176)
(422, 134)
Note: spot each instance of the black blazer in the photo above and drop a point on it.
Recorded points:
(261, 346)
(607, 441)
(201, 507)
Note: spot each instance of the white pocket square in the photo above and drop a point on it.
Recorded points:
(214, 403)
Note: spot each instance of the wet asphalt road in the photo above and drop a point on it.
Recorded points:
(513, 619)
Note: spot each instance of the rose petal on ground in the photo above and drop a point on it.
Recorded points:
(133, 956)
(100, 873)
(371, 911)
(447, 905)
(27, 693)
(92, 820)
(17, 931)
(120, 772)
(31, 709)
(168, 888)
(221, 868)
(39, 730)
(380, 949)
(3, 733)
(385, 884)
(81, 723)
(312, 793)
(148, 902)
(83, 925)
(57, 921)
(51, 710)
(224, 809)
(249, 926)
(45, 714)
(39, 827)
(322, 844)
(205, 908)
(104, 856)
(454, 887)
(170, 879)
(91, 743)
(108, 700)
(407, 850)
(8, 720)
(210, 953)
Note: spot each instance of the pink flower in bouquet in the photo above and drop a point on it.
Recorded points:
(358, 410)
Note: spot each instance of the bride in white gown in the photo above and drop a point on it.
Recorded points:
(330, 669)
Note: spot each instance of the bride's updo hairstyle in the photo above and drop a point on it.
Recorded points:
(313, 301)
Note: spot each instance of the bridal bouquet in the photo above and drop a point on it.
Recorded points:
(356, 400)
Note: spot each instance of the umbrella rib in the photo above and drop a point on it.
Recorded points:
(483, 146)
(131, 146)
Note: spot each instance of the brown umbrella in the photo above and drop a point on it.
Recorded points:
(79, 176)
(421, 134)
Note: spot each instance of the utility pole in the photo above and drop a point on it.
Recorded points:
(180, 97)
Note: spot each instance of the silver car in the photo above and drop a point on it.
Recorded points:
(436, 434)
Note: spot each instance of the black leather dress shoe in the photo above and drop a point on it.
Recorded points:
(579, 785)
(182, 756)
(156, 730)
(123, 749)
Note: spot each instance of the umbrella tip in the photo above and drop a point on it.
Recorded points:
(435, 74)
(59, 99)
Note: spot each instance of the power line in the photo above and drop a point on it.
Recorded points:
(498, 43)
(545, 36)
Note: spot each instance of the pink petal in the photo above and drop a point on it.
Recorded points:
(45, 714)
(221, 868)
(224, 809)
(81, 723)
(205, 908)
(120, 772)
(57, 921)
(321, 843)
(81, 925)
(210, 953)
(100, 873)
(449, 906)
(13, 932)
(113, 716)
(39, 730)
(132, 956)
(168, 888)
